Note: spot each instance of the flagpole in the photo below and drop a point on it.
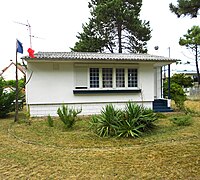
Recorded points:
(16, 90)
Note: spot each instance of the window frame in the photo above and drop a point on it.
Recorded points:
(114, 81)
(98, 77)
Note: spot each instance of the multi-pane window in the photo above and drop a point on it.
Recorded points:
(132, 78)
(94, 77)
(120, 77)
(107, 80)
(113, 77)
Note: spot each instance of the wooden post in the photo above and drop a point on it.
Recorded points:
(16, 92)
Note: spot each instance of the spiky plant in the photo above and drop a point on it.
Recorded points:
(105, 123)
(68, 115)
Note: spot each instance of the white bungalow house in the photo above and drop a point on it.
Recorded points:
(92, 80)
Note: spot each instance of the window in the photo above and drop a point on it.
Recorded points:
(132, 78)
(120, 77)
(107, 77)
(115, 78)
(94, 77)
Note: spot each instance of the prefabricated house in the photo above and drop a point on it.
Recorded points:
(92, 80)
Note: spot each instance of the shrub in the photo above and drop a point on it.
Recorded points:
(104, 124)
(6, 100)
(177, 94)
(136, 120)
(50, 121)
(182, 120)
(68, 116)
(131, 122)
(128, 128)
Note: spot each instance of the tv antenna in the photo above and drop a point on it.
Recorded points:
(29, 29)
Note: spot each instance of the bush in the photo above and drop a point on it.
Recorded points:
(182, 120)
(50, 121)
(178, 82)
(131, 122)
(68, 116)
(136, 120)
(105, 123)
(6, 100)
(178, 95)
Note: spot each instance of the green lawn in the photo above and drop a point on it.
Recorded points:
(37, 151)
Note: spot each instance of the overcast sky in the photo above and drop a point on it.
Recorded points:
(57, 23)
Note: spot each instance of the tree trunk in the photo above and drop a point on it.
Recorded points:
(120, 37)
(197, 66)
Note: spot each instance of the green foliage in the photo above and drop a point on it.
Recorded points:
(178, 95)
(50, 121)
(143, 117)
(177, 82)
(68, 116)
(89, 41)
(131, 122)
(12, 83)
(192, 38)
(104, 124)
(6, 100)
(192, 41)
(182, 120)
(186, 7)
(182, 80)
(115, 26)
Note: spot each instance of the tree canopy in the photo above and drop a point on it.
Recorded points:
(192, 41)
(186, 8)
(114, 26)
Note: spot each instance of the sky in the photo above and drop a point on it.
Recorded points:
(55, 24)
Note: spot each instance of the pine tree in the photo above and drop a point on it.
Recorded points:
(192, 41)
(115, 27)
(186, 8)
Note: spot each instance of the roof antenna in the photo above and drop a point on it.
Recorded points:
(30, 33)
(29, 29)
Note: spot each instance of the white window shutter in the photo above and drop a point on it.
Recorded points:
(81, 77)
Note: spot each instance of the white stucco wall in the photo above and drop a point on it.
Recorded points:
(52, 85)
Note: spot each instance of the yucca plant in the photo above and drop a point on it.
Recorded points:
(131, 122)
(135, 120)
(68, 116)
(105, 123)
(144, 116)
(128, 128)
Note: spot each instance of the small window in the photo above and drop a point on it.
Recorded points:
(94, 77)
(132, 78)
(107, 77)
(120, 77)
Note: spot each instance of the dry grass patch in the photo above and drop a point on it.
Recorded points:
(194, 105)
(38, 151)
